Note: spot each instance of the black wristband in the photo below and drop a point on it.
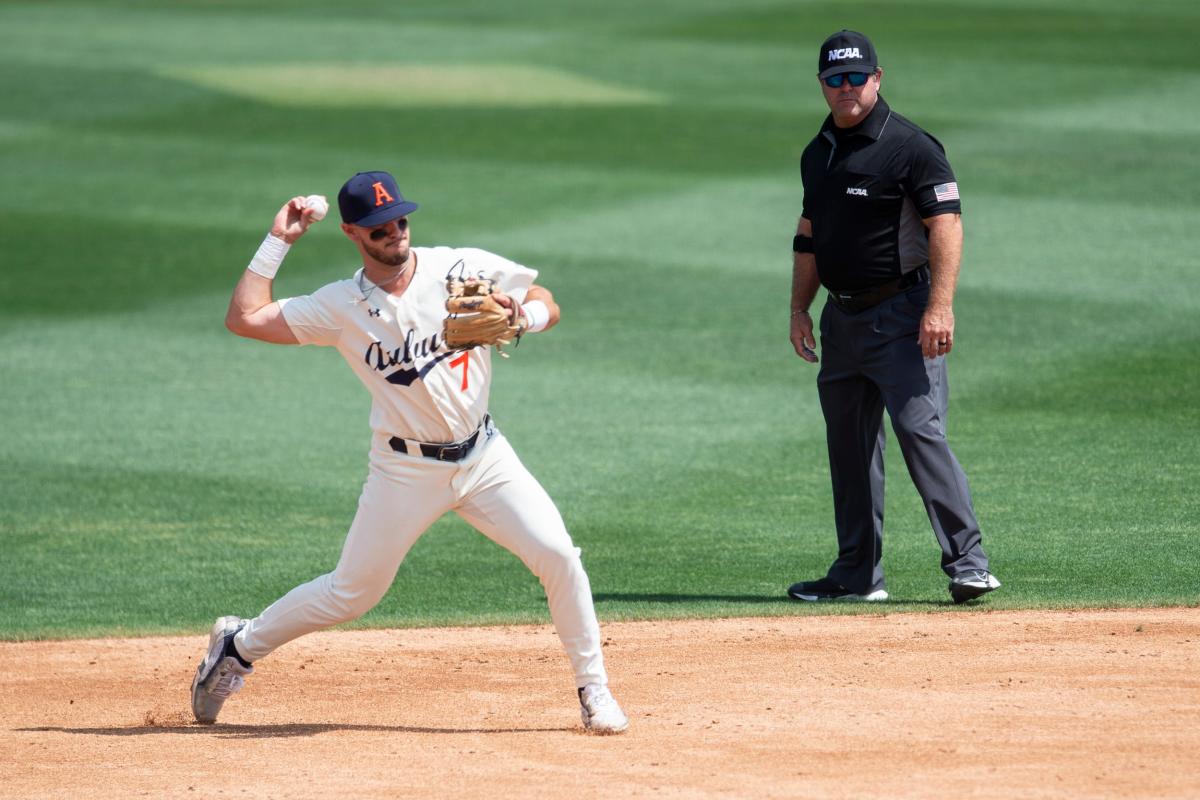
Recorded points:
(802, 243)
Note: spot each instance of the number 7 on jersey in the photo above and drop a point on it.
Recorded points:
(465, 360)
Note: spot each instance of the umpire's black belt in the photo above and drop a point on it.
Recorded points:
(862, 299)
(455, 451)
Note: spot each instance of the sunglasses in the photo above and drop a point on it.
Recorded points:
(856, 79)
(381, 233)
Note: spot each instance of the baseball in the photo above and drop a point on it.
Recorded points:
(319, 206)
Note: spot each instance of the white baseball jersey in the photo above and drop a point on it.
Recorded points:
(420, 390)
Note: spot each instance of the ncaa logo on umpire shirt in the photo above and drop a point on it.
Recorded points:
(843, 52)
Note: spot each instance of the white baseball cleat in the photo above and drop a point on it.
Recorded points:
(600, 711)
(220, 674)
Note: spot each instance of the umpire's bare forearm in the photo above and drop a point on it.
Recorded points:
(804, 281)
(945, 257)
(804, 288)
(804, 272)
(936, 335)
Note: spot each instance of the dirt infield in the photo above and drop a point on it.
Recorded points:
(980, 704)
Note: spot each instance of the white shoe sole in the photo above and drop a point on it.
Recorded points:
(877, 596)
(596, 729)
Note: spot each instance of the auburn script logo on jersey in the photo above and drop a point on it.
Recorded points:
(406, 357)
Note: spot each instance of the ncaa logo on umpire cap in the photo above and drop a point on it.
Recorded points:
(846, 51)
(372, 198)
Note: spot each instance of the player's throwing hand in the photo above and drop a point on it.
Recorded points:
(293, 219)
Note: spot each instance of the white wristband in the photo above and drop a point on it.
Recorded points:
(537, 314)
(269, 256)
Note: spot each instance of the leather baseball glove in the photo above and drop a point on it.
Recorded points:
(476, 319)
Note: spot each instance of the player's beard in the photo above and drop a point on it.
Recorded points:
(383, 256)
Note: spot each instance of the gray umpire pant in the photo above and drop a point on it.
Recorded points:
(870, 360)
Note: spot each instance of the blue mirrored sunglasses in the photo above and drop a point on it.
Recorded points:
(856, 79)
(383, 231)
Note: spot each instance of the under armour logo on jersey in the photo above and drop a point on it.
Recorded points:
(381, 194)
(857, 192)
(843, 52)
(374, 312)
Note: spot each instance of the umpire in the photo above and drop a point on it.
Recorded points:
(881, 231)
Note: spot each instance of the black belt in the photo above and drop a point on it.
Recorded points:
(455, 451)
(862, 299)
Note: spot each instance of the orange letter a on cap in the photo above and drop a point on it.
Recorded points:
(381, 195)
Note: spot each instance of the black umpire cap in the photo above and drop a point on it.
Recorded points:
(846, 51)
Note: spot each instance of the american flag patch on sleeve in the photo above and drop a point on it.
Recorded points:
(945, 191)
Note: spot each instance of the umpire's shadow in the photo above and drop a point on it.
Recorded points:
(890, 604)
(663, 597)
(274, 731)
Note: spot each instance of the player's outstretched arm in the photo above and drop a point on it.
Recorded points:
(253, 313)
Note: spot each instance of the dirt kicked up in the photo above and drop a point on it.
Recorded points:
(1083, 704)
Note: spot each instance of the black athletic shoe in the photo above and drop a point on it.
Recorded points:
(971, 584)
(825, 589)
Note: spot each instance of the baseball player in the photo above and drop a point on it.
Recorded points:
(434, 447)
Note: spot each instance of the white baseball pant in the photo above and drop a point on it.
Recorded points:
(402, 497)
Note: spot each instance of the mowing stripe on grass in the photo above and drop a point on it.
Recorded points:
(375, 86)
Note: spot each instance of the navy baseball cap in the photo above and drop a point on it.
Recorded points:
(846, 51)
(372, 198)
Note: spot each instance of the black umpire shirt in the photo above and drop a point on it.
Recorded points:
(866, 190)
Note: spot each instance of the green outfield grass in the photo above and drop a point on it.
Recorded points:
(156, 471)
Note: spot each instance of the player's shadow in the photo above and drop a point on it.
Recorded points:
(275, 731)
